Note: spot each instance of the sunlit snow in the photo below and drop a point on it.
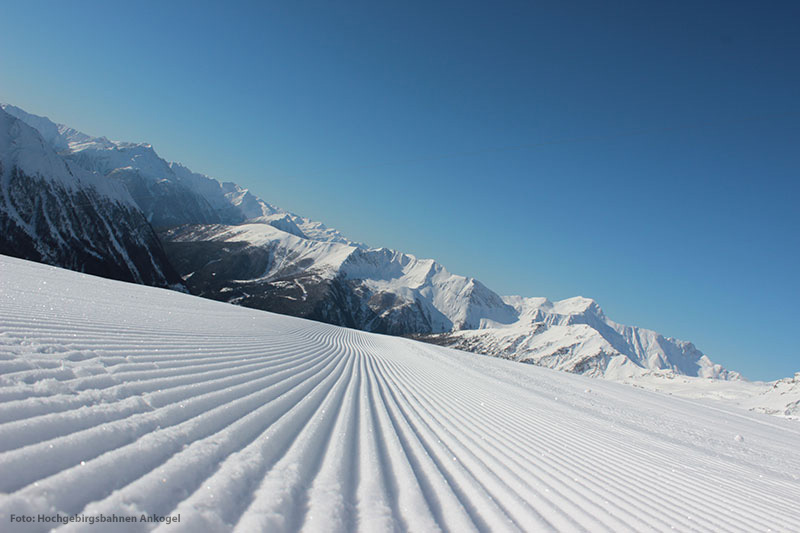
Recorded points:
(122, 399)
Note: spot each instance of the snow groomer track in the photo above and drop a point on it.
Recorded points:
(118, 399)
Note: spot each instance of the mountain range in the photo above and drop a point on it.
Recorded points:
(118, 210)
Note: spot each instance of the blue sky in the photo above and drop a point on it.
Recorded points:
(644, 154)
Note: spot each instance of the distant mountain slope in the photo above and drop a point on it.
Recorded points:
(230, 245)
(149, 179)
(574, 335)
(169, 194)
(55, 212)
(260, 266)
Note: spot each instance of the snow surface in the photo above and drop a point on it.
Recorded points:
(779, 398)
(123, 399)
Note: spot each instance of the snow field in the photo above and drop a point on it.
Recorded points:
(122, 399)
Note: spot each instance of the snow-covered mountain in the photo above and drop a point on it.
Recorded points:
(148, 178)
(54, 211)
(230, 245)
(169, 194)
(575, 335)
(261, 266)
(384, 291)
(120, 401)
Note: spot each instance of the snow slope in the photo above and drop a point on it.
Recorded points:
(779, 398)
(124, 399)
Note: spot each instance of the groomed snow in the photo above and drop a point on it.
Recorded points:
(123, 399)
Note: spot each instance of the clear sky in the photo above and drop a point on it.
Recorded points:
(645, 154)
